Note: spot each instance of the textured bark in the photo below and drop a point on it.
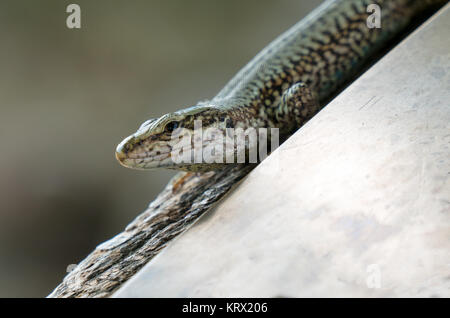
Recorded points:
(184, 199)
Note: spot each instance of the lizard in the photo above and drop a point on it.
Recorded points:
(192, 194)
(284, 85)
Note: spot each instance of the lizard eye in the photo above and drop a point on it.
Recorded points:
(172, 126)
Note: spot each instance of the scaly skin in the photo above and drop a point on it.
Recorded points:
(285, 84)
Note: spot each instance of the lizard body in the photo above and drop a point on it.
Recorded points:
(285, 84)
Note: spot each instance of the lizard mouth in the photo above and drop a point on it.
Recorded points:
(144, 163)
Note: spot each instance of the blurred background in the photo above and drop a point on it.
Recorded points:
(69, 96)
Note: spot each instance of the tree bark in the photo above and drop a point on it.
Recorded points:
(185, 198)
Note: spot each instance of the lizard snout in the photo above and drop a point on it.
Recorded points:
(124, 147)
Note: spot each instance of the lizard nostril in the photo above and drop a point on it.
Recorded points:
(124, 147)
(120, 156)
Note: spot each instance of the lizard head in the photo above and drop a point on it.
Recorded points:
(153, 144)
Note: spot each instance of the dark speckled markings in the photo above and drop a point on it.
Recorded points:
(286, 83)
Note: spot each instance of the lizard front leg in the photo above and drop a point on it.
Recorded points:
(297, 105)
